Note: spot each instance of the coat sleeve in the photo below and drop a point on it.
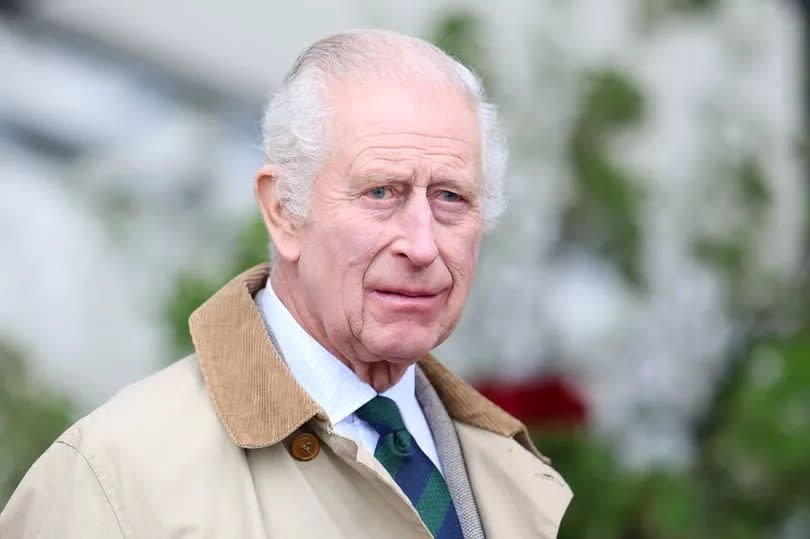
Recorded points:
(60, 496)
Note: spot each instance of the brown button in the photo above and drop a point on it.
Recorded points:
(305, 447)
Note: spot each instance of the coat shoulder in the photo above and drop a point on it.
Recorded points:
(156, 448)
(166, 404)
(155, 428)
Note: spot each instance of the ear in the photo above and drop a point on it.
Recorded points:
(282, 230)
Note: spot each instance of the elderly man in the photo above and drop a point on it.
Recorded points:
(311, 407)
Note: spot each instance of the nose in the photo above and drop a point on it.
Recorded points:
(415, 239)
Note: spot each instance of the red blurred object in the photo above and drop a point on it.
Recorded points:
(542, 401)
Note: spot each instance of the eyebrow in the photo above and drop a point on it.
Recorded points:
(379, 175)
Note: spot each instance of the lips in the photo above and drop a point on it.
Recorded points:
(402, 300)
(409, 292)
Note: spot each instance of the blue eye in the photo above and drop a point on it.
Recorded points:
(380, 193)
(450, 196)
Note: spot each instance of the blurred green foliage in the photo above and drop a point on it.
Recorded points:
(603, 216)
(756, 454)
(32, 416)
(656, 10)
(459, 34)
(730, 251)
(750, 472)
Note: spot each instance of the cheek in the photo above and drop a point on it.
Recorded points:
(338, 242)
(352, 249)
(352, 240)
(461, 258)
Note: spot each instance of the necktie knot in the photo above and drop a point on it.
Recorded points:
(382, 414)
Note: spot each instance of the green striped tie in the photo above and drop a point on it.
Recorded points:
(413, 471)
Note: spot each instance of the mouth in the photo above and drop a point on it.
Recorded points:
(408, 293)
(408, 299)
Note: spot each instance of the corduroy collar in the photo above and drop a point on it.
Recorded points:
(256, 396)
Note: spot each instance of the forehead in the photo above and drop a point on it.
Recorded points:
(375, 118)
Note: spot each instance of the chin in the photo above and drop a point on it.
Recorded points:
(403, 349)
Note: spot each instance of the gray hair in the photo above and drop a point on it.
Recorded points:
(298, 120)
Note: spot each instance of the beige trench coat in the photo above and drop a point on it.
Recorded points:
(202, 449)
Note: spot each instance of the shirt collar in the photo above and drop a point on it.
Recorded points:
(330, 383)
(257, 398)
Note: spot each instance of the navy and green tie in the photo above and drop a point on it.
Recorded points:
(413, 471)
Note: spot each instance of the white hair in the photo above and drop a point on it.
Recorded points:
(297, 125)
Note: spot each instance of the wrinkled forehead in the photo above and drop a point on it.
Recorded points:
(429, 114)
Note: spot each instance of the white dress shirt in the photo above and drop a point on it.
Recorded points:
(335, 387)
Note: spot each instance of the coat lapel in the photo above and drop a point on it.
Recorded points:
(518, 495)
(447, 444)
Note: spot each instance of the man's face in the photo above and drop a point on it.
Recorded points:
(389, 252)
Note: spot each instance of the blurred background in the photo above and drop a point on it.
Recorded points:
(642, 305)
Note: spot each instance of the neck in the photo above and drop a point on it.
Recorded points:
(376, 372)
(380, 375)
